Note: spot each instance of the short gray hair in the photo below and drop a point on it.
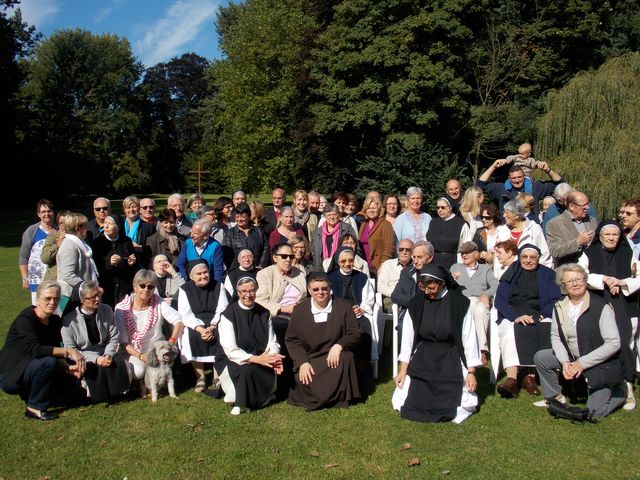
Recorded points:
(516, 208)
(428, 246)
(569, 267)
(147, 276)
(562, 190)
(413, 191)
(205, 225)
(88, 286)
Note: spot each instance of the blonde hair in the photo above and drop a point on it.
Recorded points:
(128, 201)
(373, 199)
(470, 203)
(527, 201)
(72, 221)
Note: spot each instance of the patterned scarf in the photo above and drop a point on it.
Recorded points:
(126, 307)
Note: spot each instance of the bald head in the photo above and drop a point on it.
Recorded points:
(454, 189)
(578, 205)
(404, 251)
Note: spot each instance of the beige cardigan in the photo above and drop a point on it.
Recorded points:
(271, 285)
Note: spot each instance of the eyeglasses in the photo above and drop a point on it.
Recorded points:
(144, 286)
(402, 250)
(285, 256)
(441, 207)
(623, 213)
(101, 209)
(581, 205)
(247, 292)
(345, 260)
(147, 207)
(95, 298)
(320, 289)
(575, 281)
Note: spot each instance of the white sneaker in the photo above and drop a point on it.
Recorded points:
(239, 410)
(545, 404)
(630, 403)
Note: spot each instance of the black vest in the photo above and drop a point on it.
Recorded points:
(609, 372)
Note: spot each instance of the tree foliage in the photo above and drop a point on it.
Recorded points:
(80, 92)
(591, 132)
(257, 91)
(175, 91)
(17, 39)
(404, 168)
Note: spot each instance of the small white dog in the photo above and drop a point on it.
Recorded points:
(158, 373)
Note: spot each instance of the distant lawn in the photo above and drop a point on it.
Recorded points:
(195, 437)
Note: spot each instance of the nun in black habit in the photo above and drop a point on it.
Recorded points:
(439, 354)
(201, 301)
(249, 358)
(613, 275)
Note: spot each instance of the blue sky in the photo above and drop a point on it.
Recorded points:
(158, 30)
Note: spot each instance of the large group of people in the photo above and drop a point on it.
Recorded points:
(281, 300)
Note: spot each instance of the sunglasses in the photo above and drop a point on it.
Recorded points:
(441, 207)
(146, 207)
(101, 209)
(401, 250)
(144, 286)
(284, 256)
(320, 289)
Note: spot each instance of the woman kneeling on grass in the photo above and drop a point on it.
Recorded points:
(439, 353)
(31, 360)
(322, 334)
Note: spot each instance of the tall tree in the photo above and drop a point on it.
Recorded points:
(17, 40)
(522, 49)
(80, 94)
(388, 74)
(591, 132)
(175, 91)
(258, 91)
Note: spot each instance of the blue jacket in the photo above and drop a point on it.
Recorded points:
(212, 254)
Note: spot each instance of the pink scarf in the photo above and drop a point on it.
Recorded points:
(336, 238)
(126, 305)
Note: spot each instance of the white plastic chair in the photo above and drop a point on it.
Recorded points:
(380, 320)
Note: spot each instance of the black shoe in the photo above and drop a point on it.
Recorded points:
(43, 415)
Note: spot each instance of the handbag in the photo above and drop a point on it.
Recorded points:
(558, 409)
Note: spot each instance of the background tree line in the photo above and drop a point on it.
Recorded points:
(325, 94)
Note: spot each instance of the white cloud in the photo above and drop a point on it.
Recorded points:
(181, 23)
(38, 12)
(107, 10)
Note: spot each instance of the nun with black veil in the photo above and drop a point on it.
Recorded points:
(524, 300)
(249, 360)
(439, 353)
(201, 301)
(613, 276)
(354, 286)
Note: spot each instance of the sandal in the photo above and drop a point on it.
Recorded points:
(201, 385)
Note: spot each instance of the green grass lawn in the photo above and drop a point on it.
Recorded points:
(195, 437)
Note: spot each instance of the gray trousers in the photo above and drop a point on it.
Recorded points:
(602, 402)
